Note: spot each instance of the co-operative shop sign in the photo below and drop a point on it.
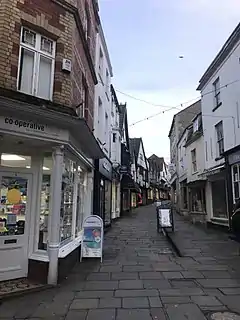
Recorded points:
(24, 124)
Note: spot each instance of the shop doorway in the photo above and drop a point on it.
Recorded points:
(15, 196)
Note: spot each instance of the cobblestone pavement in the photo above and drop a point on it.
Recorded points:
(141, 278)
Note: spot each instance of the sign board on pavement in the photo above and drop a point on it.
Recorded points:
(92, 243)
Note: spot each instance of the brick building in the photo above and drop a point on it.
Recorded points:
(47, 80)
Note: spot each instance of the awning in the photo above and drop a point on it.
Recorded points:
(80, 134)
(129, 183)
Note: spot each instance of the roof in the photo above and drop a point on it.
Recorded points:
(186, 116)
(104, 44)
(221, 56)
(122, 114)
(158, 161)
(114, 96)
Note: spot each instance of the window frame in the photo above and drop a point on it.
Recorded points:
(217, 94)
(194, 160)
(36, 50)
(219, 140)
(234, 181)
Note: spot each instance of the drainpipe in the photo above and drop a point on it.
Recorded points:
(54, 230)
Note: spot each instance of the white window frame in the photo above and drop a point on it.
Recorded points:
(220, 140)
(237, 165)
(217, 97)
(37, 54)
(194, 160)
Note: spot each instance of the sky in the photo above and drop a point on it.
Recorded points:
(145, 39)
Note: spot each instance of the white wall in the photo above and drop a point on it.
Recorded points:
(115, 145)
(102, 112)
(200, 157)
(182, 158)
(228, 112)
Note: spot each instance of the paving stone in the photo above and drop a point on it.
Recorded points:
(107, 269)
(94, 294)
(192, 274)
(230, 291)
(76, 315)
(218, 283)
(130, 284)
(151, 275)
(172, 275)
(124, 276)
(184, 311)
(84, 304)
(174, 300)
(158, 314)
(167, 267)
(183, 283)
(216, 274)
(181, 292)
(104, 314)
(101, 285)
(232, 302)
(110, 303)
(133, 314)
(156, 284)
(50, 309)
(136, 293)
(206, 301)
(137, 268)
(137, 302)
(98, 276)
(155, 302)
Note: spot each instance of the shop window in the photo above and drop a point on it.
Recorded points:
(107, 202)
(15, 161)
(13, 205)
(44, 203)
(81, 192)
(36, 64)
(197, 200)
(67, 201)
(219, 199)
(236, 182)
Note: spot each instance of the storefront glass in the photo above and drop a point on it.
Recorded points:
(197, 200)
(107, 202)
(44, 204)
(236, 182)
(67, 201)
(81, 192)
(15, 161)
(13, 195)
(219, 199)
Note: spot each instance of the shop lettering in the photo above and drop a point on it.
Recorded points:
(25, 124)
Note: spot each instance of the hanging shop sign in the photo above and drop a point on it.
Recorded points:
(105, 168)
(92, 243)
(32, 127)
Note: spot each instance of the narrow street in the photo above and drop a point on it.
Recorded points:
(141, 278)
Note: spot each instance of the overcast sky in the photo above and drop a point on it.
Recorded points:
(145, 39)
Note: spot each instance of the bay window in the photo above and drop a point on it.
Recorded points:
(36, 64)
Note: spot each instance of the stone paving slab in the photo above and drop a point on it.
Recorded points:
(142, 278)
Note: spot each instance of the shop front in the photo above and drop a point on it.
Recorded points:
(232, 158)
(116, 196)
(45, 189)
(102, 203)
(197, 200)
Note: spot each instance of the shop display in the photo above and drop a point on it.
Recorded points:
(44, 212)
(13, 195)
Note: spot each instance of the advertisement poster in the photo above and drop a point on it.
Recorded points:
(92, 238)
(164, 217)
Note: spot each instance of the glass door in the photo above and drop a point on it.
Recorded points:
(14, 216)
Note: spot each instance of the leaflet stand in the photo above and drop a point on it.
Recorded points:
(164, 215)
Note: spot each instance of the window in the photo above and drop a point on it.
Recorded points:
(236, 182)
(87, 24)
(107, 82)
(216, 90)
(206, 150)
(84, 94)
(220, 138)
(195, 125)
(36, 65)
(100, 67)
(194, 160)
(114, 137)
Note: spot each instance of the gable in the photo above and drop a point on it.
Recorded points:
(141, 157)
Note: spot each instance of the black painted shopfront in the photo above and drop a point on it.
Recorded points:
(102, 201)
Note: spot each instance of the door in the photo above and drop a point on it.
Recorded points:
(14, 216)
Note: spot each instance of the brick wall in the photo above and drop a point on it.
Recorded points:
(59, 23)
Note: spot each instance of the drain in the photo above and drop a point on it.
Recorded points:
(224, 316)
